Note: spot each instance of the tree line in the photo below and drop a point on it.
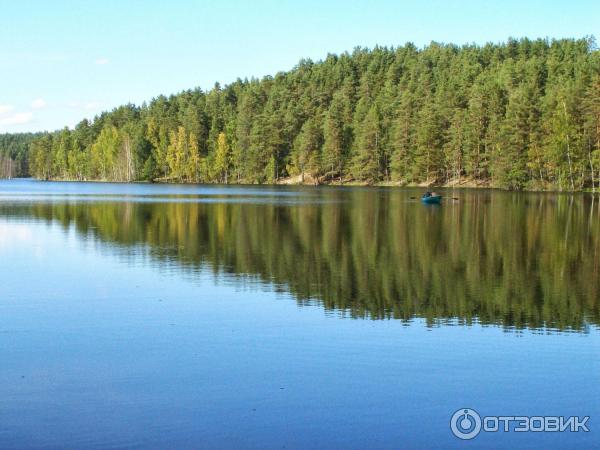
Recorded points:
(524, 114)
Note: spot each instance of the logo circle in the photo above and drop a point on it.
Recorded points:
(465, 423)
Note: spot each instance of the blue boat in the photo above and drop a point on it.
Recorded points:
(431, 199)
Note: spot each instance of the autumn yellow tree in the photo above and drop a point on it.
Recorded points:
(222, 159)
(177, 154)
(193, 165)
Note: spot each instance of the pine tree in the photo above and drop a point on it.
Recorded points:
(477, 119)
(335, 141)
(509, 164)
(366, 160)
(402, 139)
(428, 158)
(454, 148)
(306, 151)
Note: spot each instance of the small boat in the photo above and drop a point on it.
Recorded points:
(431, 199)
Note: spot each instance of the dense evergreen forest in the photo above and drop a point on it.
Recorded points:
(14, 154)
(524, 114)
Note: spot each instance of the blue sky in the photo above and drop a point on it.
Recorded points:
(61, 61)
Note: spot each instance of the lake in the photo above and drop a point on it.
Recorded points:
(172, 316)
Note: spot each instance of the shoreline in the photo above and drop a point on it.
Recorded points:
(291, 181)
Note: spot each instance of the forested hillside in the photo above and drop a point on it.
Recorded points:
(523, 114)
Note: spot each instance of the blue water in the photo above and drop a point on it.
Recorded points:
(103, 345)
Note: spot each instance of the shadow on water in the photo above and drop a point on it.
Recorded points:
(512, 259)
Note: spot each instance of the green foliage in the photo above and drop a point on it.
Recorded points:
(336, 137)
(104, 154)
(525, 114)
(149, 171)
(305, 157)
(14, 148)
(366, 161)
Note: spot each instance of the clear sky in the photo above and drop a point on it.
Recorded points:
(61, 61)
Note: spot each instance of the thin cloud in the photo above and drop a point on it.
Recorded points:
(102, 61)
(16, 118)
(6, 108)
(38, 103)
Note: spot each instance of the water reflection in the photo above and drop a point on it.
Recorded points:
(513, 259)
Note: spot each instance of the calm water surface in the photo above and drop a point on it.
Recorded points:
(271, 317)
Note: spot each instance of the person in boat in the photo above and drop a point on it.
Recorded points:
(427, 194)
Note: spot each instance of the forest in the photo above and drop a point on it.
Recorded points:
(14, 154)
(524, 114)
